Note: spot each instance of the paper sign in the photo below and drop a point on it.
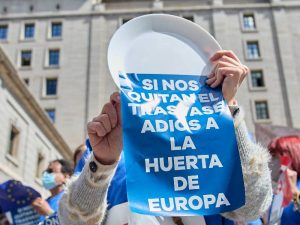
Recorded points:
(180, 148)
(24, 216)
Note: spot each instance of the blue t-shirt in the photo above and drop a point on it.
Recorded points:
(53, 203)
(289, 216)
(256, 222)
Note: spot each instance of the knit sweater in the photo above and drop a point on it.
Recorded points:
(85, 200)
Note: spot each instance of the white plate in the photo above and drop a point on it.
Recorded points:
(160, 44)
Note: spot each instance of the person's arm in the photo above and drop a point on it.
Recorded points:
(42, 207)
(84, 202)
(256, 173)
(229, 73)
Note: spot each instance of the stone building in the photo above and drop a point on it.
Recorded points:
(28, 139)
(59, 49)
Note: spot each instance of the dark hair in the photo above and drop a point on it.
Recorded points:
(79, 150)
(66, 166)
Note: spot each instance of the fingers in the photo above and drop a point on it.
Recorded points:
(115, 99)
(245, 73)
(110, 110)
(216, 77)
(229, 60)
(226, 59)
(97, 128)
(101, 125)
(221, 53)
(36, 202)
(105, 122)
(108, 119)
(211, 80)
(223, 72)
(219, 78)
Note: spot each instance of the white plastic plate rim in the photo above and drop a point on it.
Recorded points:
(165, 27)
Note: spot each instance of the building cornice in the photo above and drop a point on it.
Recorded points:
(100, 10)
(14, 84)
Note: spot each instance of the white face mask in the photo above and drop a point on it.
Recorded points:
(48, 180)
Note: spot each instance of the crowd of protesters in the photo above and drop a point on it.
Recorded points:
(54, 179)
(59, 172)
(85, 199)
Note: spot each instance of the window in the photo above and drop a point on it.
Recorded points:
(29, 31)
(190, 18)
(249, 22)
(26, 81)
(56, 29)
(51, 114)
(3, 32)
(257, 79)
(53, 57)
(51, 86)
(40, 165)
(262, 111)
(126, 20)
(253, 50)
(26, 56)
(13, 141)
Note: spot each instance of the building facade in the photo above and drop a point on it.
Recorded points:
(28, 139)
(60, 50)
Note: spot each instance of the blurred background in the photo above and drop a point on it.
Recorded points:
(54, 76)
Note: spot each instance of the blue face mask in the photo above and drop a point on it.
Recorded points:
(48, 180)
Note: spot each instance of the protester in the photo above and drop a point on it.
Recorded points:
(54, 179)
(288, 146)
(85, 201)
(78, 153)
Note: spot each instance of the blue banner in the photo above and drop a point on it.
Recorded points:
(180, 148)
(24, 216)
(15, 201)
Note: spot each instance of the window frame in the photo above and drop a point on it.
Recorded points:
(22, 32)
(245, 30)
(47, 58)
(13, 148)
(30, 26)
(250, 84)
(20, 59)
(49, 30)
(50, 118)
(256, 119)
(7, 31)
(245, 44)
(44, 94)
